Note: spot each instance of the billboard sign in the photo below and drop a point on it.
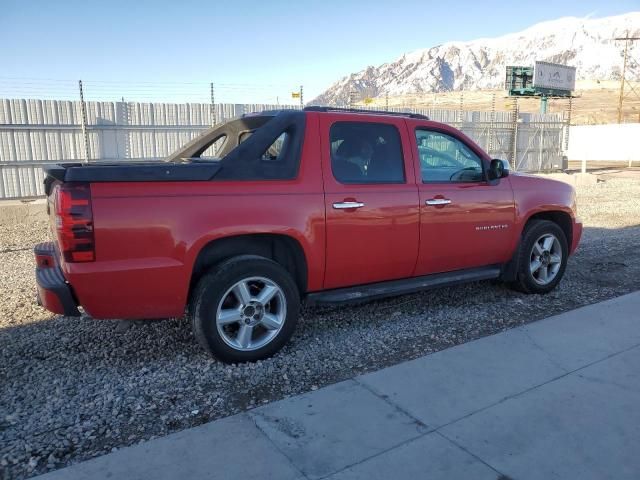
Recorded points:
(552, 75)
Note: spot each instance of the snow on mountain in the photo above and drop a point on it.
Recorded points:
(586, 43)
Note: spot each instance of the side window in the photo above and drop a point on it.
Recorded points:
(364, 152)
(274, 152)
(244, 136)
(444, 158)
(211, 153)
(275, 149)
(278, 161)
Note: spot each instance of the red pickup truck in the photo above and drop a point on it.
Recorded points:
(322, 205)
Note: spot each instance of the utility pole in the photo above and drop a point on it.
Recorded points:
(515, 112)
(544, 100)
(386, 101)
(567, 131)
(352, 98)
(83, 112)
(493, 121)
(569, 112)
(623, 78)
(213, 106)
(301, 98)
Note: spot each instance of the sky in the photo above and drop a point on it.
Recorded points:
(253, 51)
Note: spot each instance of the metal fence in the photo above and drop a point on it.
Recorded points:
(37, 132)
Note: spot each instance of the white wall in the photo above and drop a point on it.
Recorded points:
(611, 142)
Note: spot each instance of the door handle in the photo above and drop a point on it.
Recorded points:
(438, 201)
(346, 205)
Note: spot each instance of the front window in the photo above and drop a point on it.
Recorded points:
(444, 158)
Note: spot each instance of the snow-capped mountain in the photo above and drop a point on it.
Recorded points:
(586, 43)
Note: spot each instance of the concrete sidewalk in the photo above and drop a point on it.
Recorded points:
(558, 398)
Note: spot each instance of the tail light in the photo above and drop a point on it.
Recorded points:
(74, 222)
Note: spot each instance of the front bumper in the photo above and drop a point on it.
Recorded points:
(54, 293)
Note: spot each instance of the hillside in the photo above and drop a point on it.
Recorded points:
(595, 102)
(586, 43)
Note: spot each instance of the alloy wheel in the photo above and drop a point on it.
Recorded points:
(545, 259)
(251, 313)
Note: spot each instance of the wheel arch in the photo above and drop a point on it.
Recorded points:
(559, 217)
(281, 248)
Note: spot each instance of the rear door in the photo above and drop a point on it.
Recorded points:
(465, 221)
(371, 199)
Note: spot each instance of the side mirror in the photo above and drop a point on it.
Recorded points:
(498, 169)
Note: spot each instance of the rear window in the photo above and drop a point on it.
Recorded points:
(366, 152)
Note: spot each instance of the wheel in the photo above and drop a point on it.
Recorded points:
(543, 257)
(245, 309)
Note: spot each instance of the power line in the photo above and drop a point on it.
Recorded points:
(145, 91)
(140, 82)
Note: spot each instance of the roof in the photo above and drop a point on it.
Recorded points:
(373, 112)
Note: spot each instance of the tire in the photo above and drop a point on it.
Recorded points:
(537, 235)
(229, 317)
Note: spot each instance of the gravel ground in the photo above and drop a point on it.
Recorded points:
(74, 389)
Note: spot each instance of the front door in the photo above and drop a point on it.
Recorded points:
(371, 200)
(465, 221)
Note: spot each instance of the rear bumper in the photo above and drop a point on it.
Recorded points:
(54, 293)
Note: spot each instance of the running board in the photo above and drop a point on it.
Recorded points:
(401, 287)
